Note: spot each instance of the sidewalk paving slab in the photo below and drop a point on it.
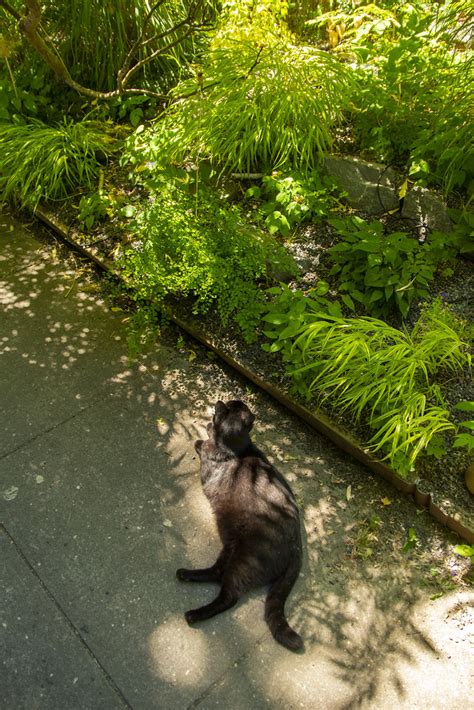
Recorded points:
(45, 664)
(16, 254)
(101, 501)
(108, 524)
(50, 337)
(420, 665)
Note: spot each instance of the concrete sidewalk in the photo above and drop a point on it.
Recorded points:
(100, 502)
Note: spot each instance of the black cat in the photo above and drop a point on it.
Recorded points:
(257, 519)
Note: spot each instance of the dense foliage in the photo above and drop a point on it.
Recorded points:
(50, 162)
(259, 91)
(387, 271)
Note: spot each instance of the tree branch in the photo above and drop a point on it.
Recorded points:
(29, 26)
(152, 56)
(138, 42)
(124, 78)
(206, 87)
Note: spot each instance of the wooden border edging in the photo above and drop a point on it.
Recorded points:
(315, 419)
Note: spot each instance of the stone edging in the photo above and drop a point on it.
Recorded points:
(317, 420)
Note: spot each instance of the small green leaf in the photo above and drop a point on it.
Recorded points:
(464, 550)
(411, 541)
(464, 440)
(465, 406)
(135, 116)
(128, 211)
(374, 259)
(272, 348)
(253, 191)
(276, 318)
(348, 301)
(322, 288)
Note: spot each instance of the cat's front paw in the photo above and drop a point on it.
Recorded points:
(191, 616)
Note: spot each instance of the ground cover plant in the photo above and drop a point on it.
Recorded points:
(387, 272)
(204, 249)
(289, 199)
(465, 438)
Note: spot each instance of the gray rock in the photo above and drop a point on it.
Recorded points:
(427, 210)
(372, 188)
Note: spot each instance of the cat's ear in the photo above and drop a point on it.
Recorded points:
(247, 418)
(220, 409)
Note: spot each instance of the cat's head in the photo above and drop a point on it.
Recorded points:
(231, 425)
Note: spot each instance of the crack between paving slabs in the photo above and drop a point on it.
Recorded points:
(205, 694)
(54, 426)
(70, 623)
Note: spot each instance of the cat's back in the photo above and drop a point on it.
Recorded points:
(254, 493)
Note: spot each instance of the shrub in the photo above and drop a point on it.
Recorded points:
(210, 254)
(288, 199)
(448, 147)
(386, 271)
(93, 208)
(465, 439)
(257, 104)
(413, 71)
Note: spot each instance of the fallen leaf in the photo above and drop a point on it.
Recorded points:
(386, 501)
(167, 523)
(349, 492)
(10, 493)
(403, 189)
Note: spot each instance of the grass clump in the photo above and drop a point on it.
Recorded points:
(372, 371)
(255, 105)
(39, 162)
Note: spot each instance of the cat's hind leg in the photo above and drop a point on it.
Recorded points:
(209, 574)
(234, 583)
(226, 598)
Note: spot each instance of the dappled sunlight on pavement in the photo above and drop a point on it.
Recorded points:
(178, 653)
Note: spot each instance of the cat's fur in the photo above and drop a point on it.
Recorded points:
(257, 519)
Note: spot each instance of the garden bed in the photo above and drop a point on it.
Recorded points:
(440, 489)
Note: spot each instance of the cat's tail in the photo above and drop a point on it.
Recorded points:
(275, 608)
